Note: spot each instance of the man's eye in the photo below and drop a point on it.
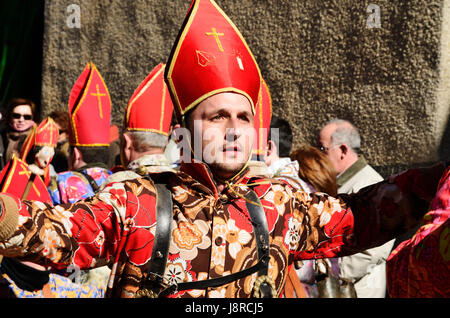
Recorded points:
(217, 117)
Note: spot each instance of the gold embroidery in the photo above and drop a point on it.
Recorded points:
(99, 97)
(216, 37)
(205, 58)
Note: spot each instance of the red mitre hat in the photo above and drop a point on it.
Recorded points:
(263, 115)
(90, 110)
(210, 56)
(46, 134)
(14, 179)
(150, 108)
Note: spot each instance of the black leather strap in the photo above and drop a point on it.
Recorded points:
(260, 229)
(155, 282)
(91, 181)
(164, 216)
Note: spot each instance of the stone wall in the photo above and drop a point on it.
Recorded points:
(321, 59)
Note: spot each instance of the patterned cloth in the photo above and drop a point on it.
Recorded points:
(60, 287)
(212, 233)
(287, 170)
(151, 164)
(419, 267)
(72, 186)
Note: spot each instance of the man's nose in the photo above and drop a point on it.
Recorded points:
(233, 130)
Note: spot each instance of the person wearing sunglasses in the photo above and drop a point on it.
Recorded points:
(20, 117)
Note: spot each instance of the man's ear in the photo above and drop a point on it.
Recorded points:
(271, 153)
(176, 136)
(77, 156)
(128, 143)
(344, 149)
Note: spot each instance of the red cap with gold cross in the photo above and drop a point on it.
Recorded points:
(90, 110)
(46, 134)
(263, 116)
(150, 107)
(16, 179)
(210, 56)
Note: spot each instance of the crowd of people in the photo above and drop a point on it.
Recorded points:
(200, 194)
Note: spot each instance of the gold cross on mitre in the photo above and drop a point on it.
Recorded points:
(216, 36)
(99, 96)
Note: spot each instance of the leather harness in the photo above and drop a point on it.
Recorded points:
(154, 285)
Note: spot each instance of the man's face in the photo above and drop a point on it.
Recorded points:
(223, 125)
(332, 151)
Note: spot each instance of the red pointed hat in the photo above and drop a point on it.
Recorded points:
(150, 107)
(210, 56)
(90, 110)
(14, 179)
(46, 134)
(263, 116)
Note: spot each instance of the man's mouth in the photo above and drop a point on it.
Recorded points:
(235, 148)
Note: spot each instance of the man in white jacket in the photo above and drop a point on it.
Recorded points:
(341, 141)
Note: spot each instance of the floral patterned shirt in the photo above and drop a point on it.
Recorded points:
(212, 234)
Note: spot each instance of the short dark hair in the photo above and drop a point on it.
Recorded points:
(281, 135)
(94, 154)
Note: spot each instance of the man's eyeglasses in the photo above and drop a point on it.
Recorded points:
(18, 116)
(323, 149)
(326, 149)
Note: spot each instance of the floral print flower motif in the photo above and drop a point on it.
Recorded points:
(73, 189)
(63, 216)
(180, 194)
(100, 239)
(236, 238)
(128, 224)
(51, 242)
(279, 195)
(292, 235)
(177, 271)
(109, 196)
(188, 237)
(118, 195)
(219, 246)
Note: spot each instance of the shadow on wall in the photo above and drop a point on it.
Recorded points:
(444, 148)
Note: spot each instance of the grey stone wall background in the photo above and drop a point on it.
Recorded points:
(319, 59)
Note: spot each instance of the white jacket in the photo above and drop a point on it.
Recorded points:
(367, 270)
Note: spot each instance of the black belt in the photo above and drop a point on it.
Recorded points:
(154, 285)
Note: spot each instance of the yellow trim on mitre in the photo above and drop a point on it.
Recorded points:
(92, 68)
(150, 82)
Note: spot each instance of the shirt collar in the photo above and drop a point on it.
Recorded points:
(351, 171)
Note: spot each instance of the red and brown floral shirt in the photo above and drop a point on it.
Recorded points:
(212, 234)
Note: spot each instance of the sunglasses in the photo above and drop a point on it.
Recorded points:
(17, 116)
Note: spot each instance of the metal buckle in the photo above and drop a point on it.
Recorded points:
(145, 293)
(163, 287)
(265, 279)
